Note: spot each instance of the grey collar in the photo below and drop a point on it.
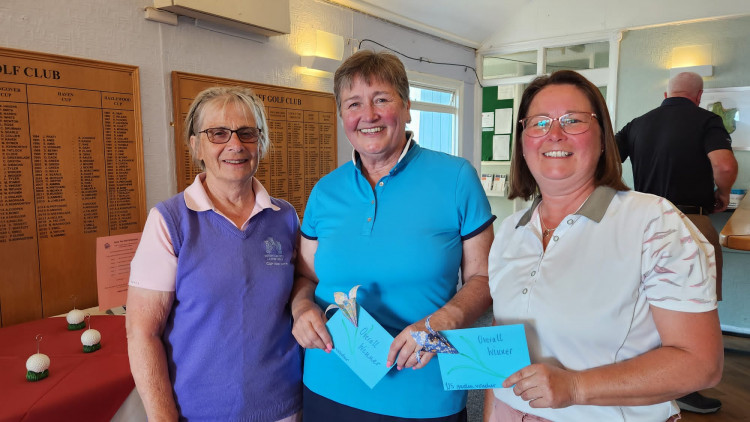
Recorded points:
(593, 209)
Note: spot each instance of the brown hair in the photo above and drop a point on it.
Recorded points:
(369, 65)
(221, 97)
(608, 169)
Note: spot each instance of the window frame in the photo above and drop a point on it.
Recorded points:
(600, 77)
(439, 83)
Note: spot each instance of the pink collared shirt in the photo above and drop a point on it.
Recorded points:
(154, 265)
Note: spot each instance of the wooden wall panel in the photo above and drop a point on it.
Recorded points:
(72, 170)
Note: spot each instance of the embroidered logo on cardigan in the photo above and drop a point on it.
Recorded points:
(274, 254)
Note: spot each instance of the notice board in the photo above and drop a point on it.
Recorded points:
(496, 103)
(72, 170)
(301, 130)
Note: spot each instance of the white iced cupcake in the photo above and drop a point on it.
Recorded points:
(91, 340)
(75, 319)
(37, 367)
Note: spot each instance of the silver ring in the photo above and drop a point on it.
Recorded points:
(419, 358)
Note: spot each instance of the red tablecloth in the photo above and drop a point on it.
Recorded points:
(80, 386)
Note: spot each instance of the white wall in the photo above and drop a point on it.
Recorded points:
(540, 19)
(116, 31)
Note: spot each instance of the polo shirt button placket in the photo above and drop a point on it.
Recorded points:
(569, 222)
(370, 216)
(526, 289)
(380, 184)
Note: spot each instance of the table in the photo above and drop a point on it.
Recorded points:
(80, 386)
(736, 233)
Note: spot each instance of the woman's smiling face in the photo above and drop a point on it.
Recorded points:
(559, 160)
(374, 118)
(232, 162)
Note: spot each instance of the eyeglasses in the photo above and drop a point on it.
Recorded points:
(571, 123)
(221, 135)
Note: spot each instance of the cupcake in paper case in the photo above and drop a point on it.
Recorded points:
(75, 319)
(37, 367)
(91, 340)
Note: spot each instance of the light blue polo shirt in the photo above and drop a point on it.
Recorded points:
(402, 242)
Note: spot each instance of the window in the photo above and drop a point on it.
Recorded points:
(508, 65)
(435, 112)
(516, 66)
(578, 57)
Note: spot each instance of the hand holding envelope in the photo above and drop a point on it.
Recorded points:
(471, 358)
(432, 341)
(309, 327)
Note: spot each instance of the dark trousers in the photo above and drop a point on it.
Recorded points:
(316, 408)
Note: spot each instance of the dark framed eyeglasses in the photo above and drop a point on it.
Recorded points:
(571, 123)
(221, 135)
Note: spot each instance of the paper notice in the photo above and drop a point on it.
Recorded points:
(501, 147)
(488, 119)
(503, 120)
(113, 256)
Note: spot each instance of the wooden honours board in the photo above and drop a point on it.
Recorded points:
(72, 170)
(302, 131)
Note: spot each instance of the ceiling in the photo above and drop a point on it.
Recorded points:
(476, 23)
(465, 22)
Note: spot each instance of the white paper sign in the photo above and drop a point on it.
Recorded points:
(501, 147)
(503, 120)
(488, 119)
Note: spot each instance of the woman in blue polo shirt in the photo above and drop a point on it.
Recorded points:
(400, 221)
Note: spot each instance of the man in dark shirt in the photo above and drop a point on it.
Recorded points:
(680, 151)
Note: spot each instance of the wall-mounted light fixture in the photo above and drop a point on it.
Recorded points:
(325, 57)
(692, 58)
